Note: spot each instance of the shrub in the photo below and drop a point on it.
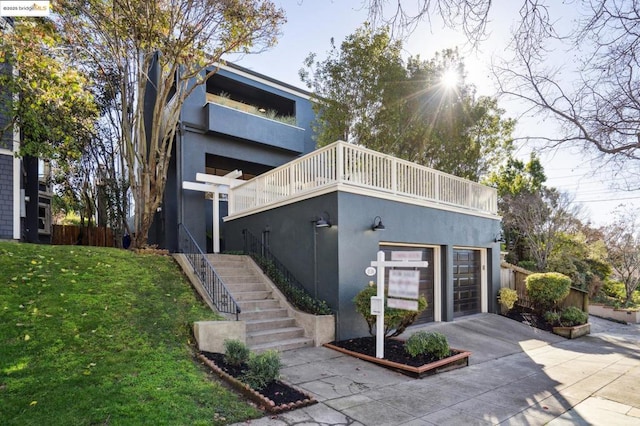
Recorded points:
(263, 369)
(422, 342)
(547, 289)
(614, 288)
(296, 295)
(235, 352)
(552, 317)
(395, 320)
(508, 297)
(573, 315)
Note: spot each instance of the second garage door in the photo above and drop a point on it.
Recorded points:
(466, 282)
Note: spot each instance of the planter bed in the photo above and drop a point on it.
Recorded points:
(276, 397)
(573, 332)
(620, 315)
(397, 359)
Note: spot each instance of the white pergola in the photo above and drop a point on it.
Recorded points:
(215, 185)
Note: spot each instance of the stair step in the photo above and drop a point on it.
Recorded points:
(258, 305)
(263, 314)
(269, 323)
(283, 345)
(239, 279)
(242, 296)
(274, 335)
(238, 287)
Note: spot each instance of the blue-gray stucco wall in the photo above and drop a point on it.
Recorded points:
(348, 247)
(196, 139)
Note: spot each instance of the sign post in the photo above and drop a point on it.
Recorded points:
(405, 283)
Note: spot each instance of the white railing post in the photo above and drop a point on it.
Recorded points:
(339, 162)
(394, 175)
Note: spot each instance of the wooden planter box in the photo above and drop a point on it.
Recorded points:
(261, 400)
(458, 360)
(573, 332)
(609, 312)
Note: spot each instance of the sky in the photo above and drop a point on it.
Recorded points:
(312, 23)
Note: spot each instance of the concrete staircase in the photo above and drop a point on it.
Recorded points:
(268, 323)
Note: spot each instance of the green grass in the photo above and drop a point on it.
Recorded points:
(102, 336)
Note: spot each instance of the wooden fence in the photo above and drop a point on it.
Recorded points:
(97, 236)
(514, 277)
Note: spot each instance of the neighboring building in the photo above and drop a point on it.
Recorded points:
(25, 194)
(451, 222)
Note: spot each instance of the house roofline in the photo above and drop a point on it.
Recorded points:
(261, 78)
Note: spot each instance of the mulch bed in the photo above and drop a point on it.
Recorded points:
(393, 350)
(275, 397)
(396, 358)
(528, 317)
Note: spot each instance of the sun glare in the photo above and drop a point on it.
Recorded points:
(450, 78)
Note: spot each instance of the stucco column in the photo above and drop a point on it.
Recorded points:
(447, 282)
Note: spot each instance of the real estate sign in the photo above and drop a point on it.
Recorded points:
(403, 283)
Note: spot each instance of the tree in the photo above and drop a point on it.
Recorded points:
(349, 87)
(597, 107)
(48, 100)
(581, 255)
(623, 244)
(159, 53)
(541, 218)
(365, 94)
(515, 179)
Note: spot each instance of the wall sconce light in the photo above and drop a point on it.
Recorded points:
(499, 238)
(377, 226)
(321, 222)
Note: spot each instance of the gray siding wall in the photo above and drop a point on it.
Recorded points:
(6, 197)
(348, 247)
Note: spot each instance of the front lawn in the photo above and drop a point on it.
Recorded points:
(102, 336)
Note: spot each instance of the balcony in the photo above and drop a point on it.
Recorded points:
(344, 166)
(241, 122)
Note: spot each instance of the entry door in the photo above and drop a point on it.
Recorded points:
(426, 277)
(467, 281)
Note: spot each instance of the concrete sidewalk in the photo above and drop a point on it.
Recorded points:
(517, 375)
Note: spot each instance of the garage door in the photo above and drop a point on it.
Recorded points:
(426, 277)
(466, 282)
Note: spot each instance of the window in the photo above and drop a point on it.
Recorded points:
(44, 218)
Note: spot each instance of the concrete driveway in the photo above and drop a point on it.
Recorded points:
(517, 375)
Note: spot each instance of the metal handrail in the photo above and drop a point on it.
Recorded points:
(282, 277)
(211, 281)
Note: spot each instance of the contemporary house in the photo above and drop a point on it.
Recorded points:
(326, 213)
(25, 193)
(239, 120)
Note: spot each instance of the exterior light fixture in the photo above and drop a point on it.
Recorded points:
(377, 224)
(321, 222)
(499, 238)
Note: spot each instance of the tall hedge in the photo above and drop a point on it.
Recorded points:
(547, 289)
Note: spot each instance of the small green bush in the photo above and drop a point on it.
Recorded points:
(614, 288)
(433, 343)
(552, 317)
(573, 315)
(547, 289)
(508, 297)
(297, 296)
(395, 320)
(263, 369)
(235, 352)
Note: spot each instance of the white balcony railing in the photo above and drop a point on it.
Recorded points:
(351, 165)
